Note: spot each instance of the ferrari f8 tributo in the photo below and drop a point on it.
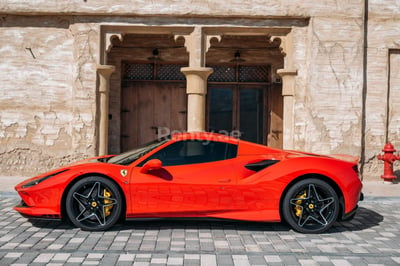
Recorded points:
(198, 174)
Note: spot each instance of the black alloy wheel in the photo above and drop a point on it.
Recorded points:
(310, 206)
(94, 203)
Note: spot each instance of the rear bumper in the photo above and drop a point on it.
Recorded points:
(350, 215)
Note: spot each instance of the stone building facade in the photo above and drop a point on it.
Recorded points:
(84, 78)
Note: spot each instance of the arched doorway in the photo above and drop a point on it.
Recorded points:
(150, 91)
(244, 93)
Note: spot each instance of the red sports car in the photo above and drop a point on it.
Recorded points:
(198, 174)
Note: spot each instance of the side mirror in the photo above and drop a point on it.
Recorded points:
(153, 164)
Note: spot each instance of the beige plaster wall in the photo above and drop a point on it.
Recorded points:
(383, 35)
(47, 99)
(329, 85)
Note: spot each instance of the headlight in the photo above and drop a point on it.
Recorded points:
(41, 179)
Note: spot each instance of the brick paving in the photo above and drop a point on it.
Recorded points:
(371, 238)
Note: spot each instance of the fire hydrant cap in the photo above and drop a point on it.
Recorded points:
(389, 147)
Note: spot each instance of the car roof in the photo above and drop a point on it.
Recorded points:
(201, 135)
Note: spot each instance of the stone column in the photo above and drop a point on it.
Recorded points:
(196, 89)
(104, 72)
(197, 44)
(288, 74)
(288, 88)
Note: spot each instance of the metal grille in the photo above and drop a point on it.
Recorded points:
(253, 74)
(139, 71)
(222, 74)
(170, 72)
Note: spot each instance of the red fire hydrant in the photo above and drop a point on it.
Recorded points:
(388, 158)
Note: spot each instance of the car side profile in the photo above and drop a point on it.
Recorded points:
(198, 174)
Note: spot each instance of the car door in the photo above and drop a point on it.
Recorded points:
(196, 178)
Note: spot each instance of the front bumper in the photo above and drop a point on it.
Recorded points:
(36, 213)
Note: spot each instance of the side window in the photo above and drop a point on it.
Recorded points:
(193, 152)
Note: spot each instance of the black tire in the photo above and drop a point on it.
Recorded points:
(94, 203)
(310, 206)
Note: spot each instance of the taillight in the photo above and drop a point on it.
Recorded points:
(355, 169)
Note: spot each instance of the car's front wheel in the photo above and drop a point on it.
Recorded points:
(310, 206)
(94, 203)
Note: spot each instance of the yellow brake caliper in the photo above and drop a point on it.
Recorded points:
(107, 209)
(298, 209)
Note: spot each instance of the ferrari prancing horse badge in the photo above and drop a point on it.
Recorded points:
(124, 172)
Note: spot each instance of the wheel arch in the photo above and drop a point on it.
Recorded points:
(321, 177)
(75, 180)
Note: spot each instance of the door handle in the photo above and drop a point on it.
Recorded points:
(224, 180)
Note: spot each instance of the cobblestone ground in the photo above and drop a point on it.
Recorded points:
(371, 238)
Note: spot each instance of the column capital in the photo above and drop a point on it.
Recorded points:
(196, 79)
(199, 71)
(105, 70)
(287, 72)
(288, 81)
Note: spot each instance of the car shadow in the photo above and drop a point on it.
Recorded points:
(364, 219)
(201, 224)
(51, 224)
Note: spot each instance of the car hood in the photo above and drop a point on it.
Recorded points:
(98, 159)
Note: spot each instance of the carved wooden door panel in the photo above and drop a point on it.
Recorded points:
(275, 130)
(151, 110)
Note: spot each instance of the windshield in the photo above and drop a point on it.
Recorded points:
(129, 157)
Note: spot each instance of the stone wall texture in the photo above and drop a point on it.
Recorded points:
(47, 93)
(382, 109)
(49, 51)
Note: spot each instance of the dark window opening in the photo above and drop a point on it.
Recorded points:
(194, 152)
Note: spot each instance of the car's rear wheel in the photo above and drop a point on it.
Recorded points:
(310, 206)
(94, 203)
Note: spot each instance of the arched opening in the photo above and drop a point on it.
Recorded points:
(244, 96)
(148, 95)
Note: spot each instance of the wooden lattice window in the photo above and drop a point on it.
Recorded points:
(170, 72)
(253, 73)
(240, 73)
(138, 71)
(151, 71)
(223, 74)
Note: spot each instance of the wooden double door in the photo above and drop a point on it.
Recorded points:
(151, 110)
